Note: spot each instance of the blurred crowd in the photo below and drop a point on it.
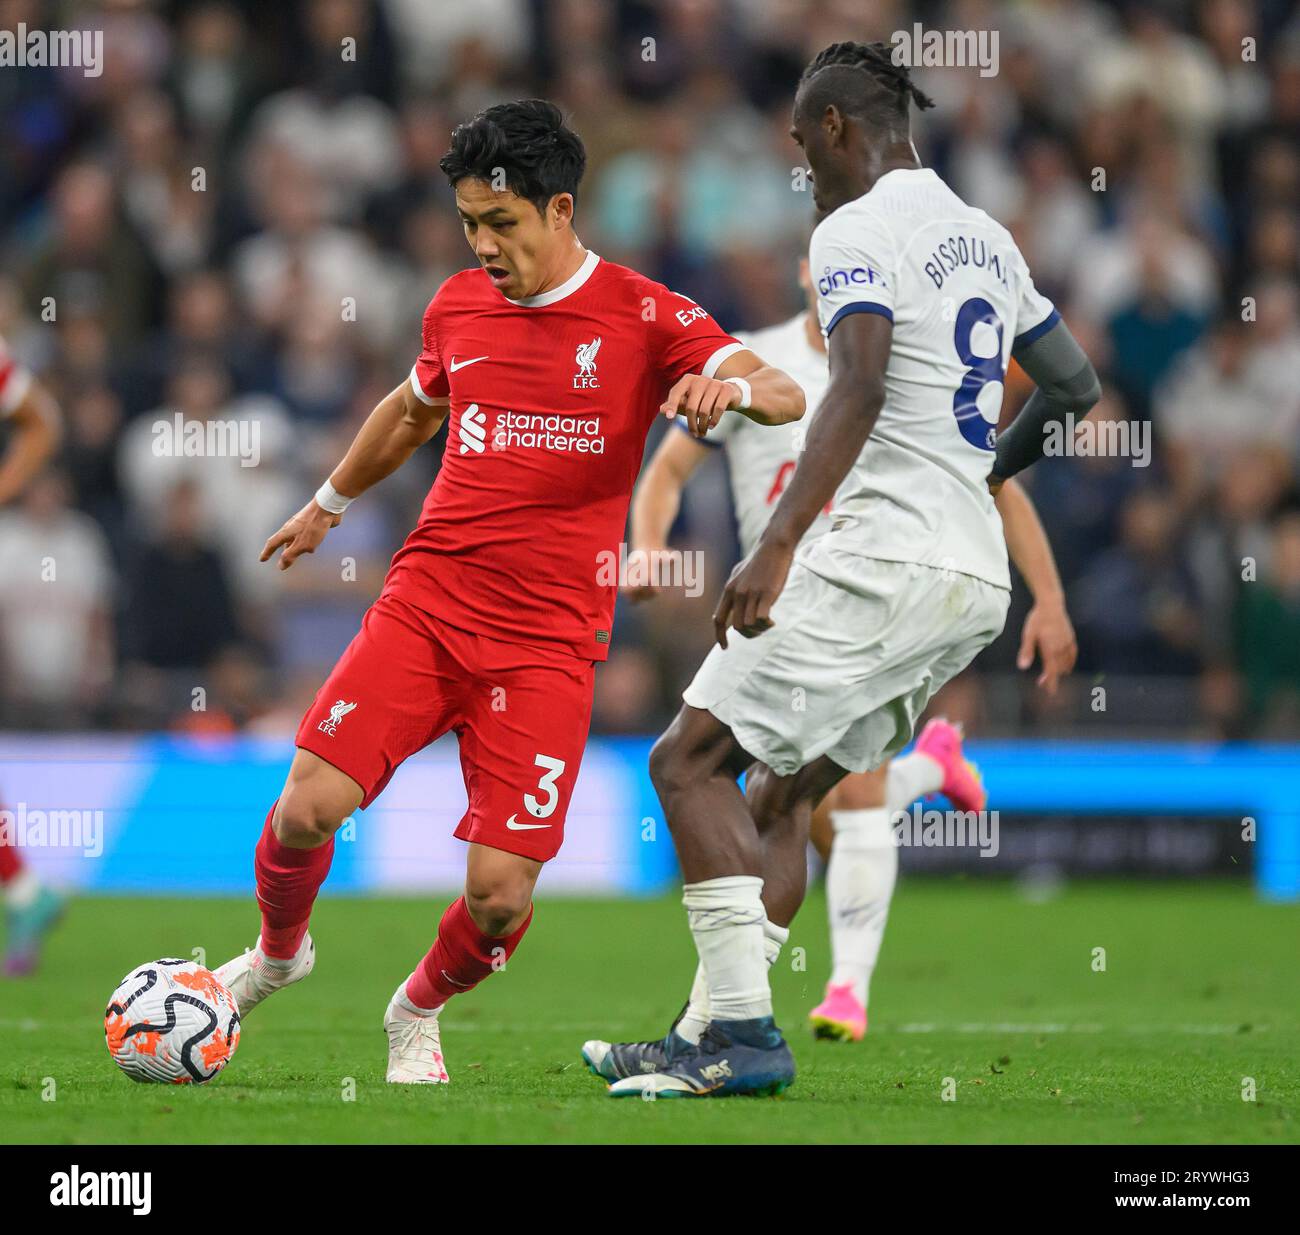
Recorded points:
(241, 219)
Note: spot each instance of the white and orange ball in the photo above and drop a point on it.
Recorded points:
(171, 1022)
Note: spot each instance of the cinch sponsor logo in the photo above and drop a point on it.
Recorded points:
(859, 276)
(579, 435)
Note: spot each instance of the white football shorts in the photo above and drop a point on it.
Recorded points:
(858, 648)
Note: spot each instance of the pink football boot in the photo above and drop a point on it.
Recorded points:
(941, 741)
(839, 1016)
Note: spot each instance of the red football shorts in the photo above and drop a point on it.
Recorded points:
(521, 715)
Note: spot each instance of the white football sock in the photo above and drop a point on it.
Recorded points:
(21, 891)
(909, 778)
(407, 1004)
(695, 1020)
(726, 917)
(284, 962)
(859, 884)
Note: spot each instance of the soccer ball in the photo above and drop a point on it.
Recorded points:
(172, 1022)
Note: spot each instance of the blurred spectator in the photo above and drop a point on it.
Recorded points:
(56, 593)
(1268, 629)
(180, 614)
(1136, 607)
(90, 259)
(1148, 334)
(1215, 405)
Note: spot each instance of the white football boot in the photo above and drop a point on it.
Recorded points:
(251, 978)
(414, 1045)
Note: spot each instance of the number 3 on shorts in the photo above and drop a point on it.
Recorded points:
(554, 770)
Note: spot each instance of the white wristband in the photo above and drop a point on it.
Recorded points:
(746, 394)
(330, 499)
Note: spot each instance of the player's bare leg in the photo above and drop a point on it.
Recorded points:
(292, 859)
(721, 850)
(476, 937)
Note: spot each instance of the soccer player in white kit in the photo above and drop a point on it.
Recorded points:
(851, 828)
(923, 300)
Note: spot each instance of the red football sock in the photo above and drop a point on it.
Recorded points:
(287, 883)
(461, 957)
(11, 865)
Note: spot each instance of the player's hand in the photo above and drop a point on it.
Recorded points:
(639, 561)
(751, 592)
(1049, 633)
(302, 534)
(702, 400)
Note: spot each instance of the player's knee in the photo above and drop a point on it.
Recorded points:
(670, 768)
(304, 819)
(498, 907)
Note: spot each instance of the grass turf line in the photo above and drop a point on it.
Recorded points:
(975, 984)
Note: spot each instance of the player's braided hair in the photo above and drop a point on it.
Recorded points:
(876, 86)
(525, 143)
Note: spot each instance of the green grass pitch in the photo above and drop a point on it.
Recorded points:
(1197, 1002)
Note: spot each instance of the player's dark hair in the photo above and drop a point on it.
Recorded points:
(863, 81)
(526, 144)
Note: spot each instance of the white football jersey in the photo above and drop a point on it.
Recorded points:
(762, 458)
(959, 295)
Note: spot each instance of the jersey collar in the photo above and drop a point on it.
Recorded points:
(567, 288)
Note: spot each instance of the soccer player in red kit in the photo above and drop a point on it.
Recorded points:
(549, 366)
(32, 419)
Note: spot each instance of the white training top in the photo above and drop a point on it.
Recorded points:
(959, 295)
(762, 458)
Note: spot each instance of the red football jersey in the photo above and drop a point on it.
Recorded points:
(551, 401)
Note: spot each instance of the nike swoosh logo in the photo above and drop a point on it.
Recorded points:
(523, 827)
(464, 364)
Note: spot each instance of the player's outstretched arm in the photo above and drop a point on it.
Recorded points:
(1067, 386)
(658, 497)
(1048, 632)
(398, 426)
(743, 383)
(35, 429)
(859, 351)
